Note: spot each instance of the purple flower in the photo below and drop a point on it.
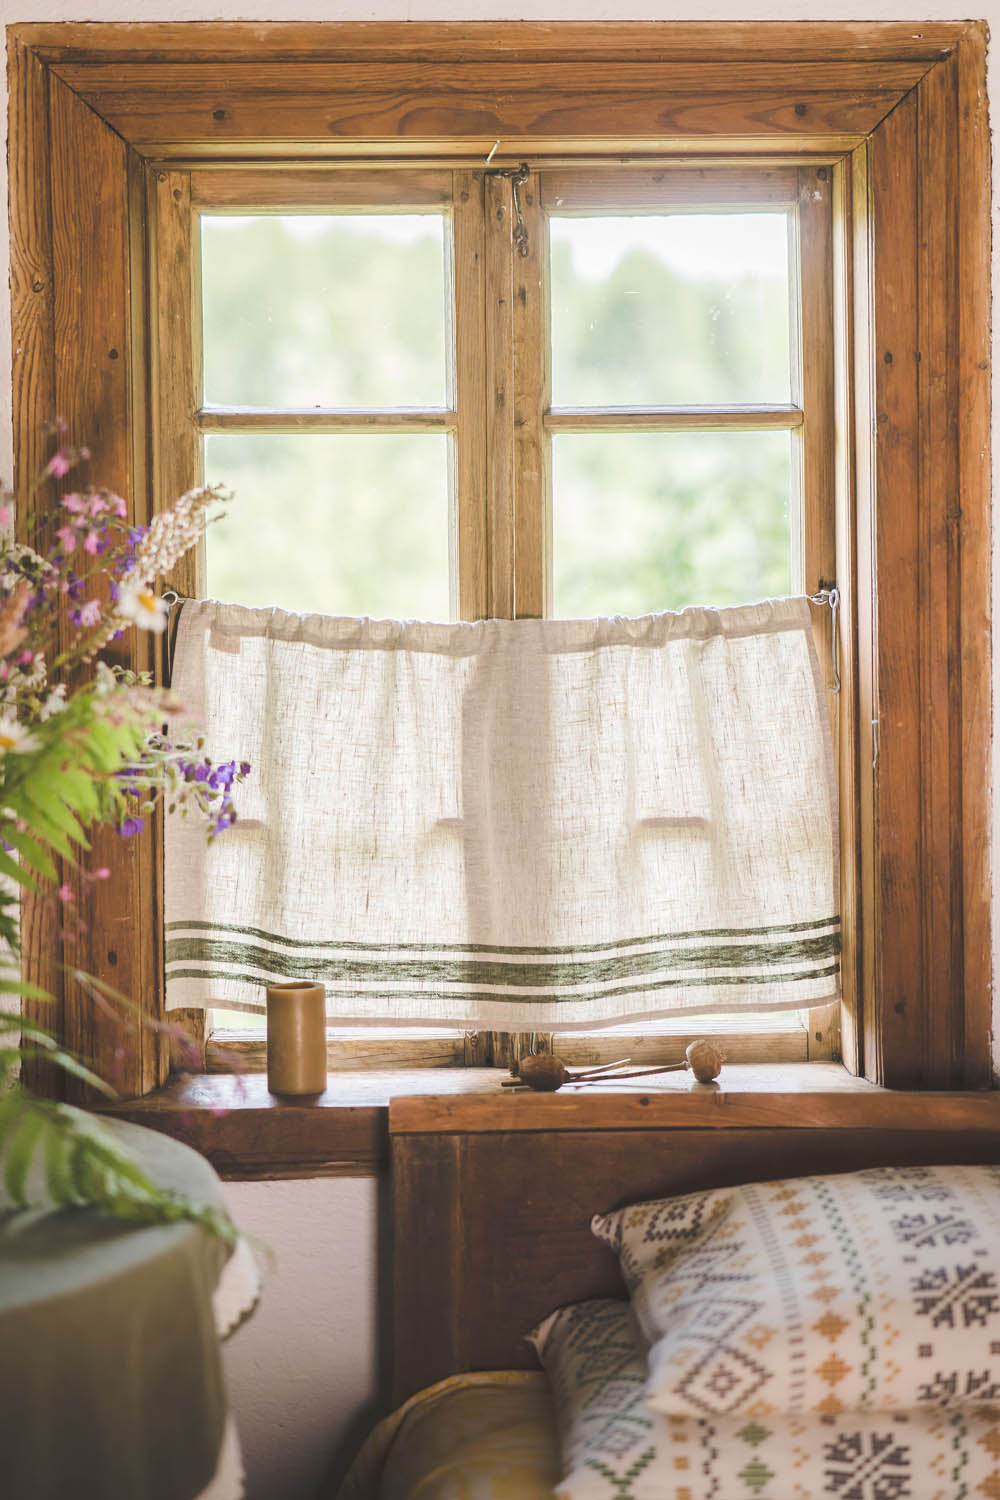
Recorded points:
(244, 768)
(223, 776)
(130, 826)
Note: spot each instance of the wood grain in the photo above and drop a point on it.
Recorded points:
(846, 363)
(894, 1024)
(411, 41)
(970, 169)
(680, 184)
(93, 333)
(157, 106)
(468, 277)
(250, 419)
(674, 418)
(532, 466)
(940, 680)
(317, 188)
(34, 402)
(499, 292)
(175, 367)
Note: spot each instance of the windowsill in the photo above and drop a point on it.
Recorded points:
(248, 1133)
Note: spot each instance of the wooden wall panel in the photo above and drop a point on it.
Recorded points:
(34, 402)
(970, 172)
(895, 612)
(113, 920)
(412, 41)
(164, 106)
(927, 904)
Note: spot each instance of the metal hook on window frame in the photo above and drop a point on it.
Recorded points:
(829, 594)
(518, 176)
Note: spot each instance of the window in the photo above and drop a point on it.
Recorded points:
(895, 115)
(667, 347)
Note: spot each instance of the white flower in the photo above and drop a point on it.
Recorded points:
(104, 679)
(54, 703)
(139, 604)
(14, 737)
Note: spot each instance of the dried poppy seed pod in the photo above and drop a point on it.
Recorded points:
(543, 1071)
(704, 1060)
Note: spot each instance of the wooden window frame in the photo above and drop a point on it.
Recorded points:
(897, 112)
(482, 317)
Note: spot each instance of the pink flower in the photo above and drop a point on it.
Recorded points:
(25, 658)
(102, 873)
(92, 543)
(65, 893)
(67, 538)
(75, 503)
(5, 515)
(59, 464)
(119, 507)
(98, 504)
(90, 613)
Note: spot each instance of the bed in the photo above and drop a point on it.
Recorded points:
(492, 1201)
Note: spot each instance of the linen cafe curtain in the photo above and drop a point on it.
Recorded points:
(531, 825)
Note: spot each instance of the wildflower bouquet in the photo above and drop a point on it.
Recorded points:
(84, 743)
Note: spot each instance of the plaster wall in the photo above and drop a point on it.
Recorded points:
(303, 1372)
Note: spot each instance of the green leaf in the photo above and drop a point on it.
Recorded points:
(31, 852)
(20, 1149)
(23, 987)
(58, 1179)
(16, 872)
(56, 811)
(44, 829)
(76, 789)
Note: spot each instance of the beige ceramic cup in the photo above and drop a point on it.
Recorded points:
(296, 1038)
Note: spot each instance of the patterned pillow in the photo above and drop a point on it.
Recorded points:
(872, 1291)
(612, 1447)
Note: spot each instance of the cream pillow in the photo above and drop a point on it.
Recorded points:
(612, 1447)
(871, 1291)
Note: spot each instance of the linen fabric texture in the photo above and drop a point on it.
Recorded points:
(531, 824)
(612, 1446)
(869, 1291)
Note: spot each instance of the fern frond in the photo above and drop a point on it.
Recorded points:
(54, 1155)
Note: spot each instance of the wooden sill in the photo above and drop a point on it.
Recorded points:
(248, 1133)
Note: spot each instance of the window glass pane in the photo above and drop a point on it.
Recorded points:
(650, 521)
(324, 310)
(680, 309)
(341, 525)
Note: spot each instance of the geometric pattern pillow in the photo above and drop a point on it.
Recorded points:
(612, 1447)
(868, 1291)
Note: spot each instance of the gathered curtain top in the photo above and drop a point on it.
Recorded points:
(468, 637)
